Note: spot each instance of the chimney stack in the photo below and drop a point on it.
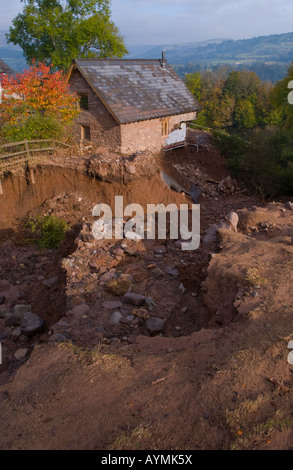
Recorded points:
(163, 58)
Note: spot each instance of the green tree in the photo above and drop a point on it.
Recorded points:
(57, 31)
(245, 115)
(282, 110)
(193, 82)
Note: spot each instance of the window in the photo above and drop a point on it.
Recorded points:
(84, 101)
(85, 133)
(165, 128)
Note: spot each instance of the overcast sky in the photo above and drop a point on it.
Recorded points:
(173, 21)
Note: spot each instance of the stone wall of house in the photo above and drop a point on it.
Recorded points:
(104, 130)
(147, 135)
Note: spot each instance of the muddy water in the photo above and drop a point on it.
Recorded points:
(20, 195)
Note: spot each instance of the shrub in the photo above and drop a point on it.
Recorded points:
(49, 231)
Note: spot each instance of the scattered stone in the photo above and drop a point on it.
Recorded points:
(130, 251)
(134, 299)
(290, 344)
(155, 325)
(80, 310)
(118, 286)
(182, 288)
(31, 323)
(20, 353)
(107, 276)
(118, 251)
(178, 328)
(150, 304)
(290, 357)
(141, 313)
(127, 277)
(20, 310)
(289, 205)
(233, 219)
(172, 271)
(158, 272)
(111, 305)
(53, 281)
(106, 341)
(115, 318)
(16, 333)
(184, 309)
(58, 338)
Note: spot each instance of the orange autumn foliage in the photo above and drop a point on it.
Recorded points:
(40, 91)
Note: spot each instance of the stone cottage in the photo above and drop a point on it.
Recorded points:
(129, 105)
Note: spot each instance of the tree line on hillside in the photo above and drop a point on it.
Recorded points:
(252, 122)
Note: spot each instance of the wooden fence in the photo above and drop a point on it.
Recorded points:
(19, 155)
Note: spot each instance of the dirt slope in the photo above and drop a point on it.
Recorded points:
(226, 385)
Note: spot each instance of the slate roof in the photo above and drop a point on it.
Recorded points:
(136, 89)
(4, 68)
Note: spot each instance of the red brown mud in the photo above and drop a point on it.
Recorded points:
(216, 377)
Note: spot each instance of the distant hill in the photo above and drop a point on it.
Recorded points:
(11, 54)
(277, 48)
(268, 56)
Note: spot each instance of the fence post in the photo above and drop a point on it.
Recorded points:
(27, 148)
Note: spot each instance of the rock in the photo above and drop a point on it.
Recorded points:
(227, 185)
(118, 286)
(88, 237)
(118, 251)
(290, 357)
(289, 205)
(115, 318)
(130, 251)
(141, 313)
(111, 304)
(155, 325)
(20, 310)
(127, 277)
(16, 333)
(233, 219)
(172, 271)
(182, 288)
(58, 338)
(80, 310)
(20, 353)
(31, 324)
(158, 272)
(53, 281)
(130, 168)
(290, 344)
(107, 276)
(134, 299)
(150, 303)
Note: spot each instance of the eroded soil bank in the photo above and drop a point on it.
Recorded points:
(213, 372)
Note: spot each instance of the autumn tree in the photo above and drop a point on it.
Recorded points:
(37, 104)
(58, 31)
